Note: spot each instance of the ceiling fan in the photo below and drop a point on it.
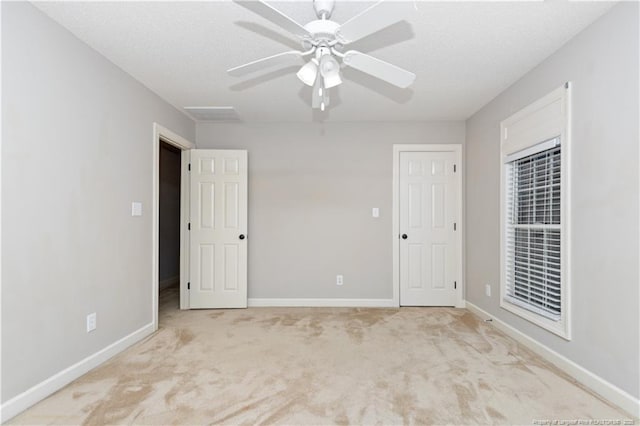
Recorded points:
(323, 40)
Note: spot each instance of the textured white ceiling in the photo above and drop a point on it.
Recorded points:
(464, 53)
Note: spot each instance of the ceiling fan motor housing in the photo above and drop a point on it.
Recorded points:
(322, 30)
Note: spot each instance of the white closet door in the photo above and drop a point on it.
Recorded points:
(218, 229)
(428, 250)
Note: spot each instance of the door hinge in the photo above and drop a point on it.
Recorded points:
(455, 285)
(454, 168)
(455, 226)
(188, 286)
(189, 226)
(189, 167)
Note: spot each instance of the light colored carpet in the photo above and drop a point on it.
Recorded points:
(321, 366)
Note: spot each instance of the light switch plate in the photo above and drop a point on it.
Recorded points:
(375, 212)
(91, 322)
(136, 208)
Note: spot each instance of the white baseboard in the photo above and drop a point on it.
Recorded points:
(322, 303)
(168, 282)
(596, 383)
(45, 388)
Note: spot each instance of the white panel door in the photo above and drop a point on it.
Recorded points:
(218, 234)
(428, 248)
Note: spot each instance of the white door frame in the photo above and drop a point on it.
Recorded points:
(397, 149)
(162, 134)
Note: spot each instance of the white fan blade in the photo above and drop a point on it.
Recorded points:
(260, 64)
(370, 20)
(274, 15)
(378, 68)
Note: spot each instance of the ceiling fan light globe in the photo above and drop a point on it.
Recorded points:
(330, 71)
(308, 73)
(327, 67)
(332, 80)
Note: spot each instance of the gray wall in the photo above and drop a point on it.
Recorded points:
(602, 64)
(169, 220)
(76, 151)
(311, 190)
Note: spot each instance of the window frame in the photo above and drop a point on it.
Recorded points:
(545, 119)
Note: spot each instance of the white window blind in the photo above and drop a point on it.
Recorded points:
(533, 229)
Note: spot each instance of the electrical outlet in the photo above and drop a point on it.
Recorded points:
(487, 290)
(91, 322)
(339, 279)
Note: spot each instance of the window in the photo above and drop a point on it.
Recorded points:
(533, 232)
(534, 281)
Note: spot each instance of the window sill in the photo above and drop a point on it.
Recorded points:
(559, 328)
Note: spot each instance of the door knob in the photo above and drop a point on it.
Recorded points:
(241, 236)
(404, 236)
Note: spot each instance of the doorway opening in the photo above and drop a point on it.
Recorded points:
(167, 145)
(169, 224)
